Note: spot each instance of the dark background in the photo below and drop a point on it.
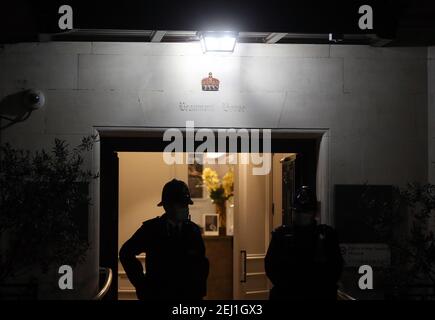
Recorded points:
(409, 22)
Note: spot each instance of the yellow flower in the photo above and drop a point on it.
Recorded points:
(218, 190)
(211, 179)
(228, 183)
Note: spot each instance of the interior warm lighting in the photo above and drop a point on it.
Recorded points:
(214, 155)
(218, 41)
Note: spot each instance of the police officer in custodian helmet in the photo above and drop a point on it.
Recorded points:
(176, 265)
(304, 259)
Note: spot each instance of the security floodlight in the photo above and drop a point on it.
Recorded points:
(215, 41)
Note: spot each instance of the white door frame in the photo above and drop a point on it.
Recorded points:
(323, 175)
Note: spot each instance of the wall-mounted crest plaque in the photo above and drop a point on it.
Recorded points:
(210, 83)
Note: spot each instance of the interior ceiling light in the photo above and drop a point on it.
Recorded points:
(214, 155)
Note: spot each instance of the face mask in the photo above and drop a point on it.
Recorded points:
(182, 214)
(303, 219)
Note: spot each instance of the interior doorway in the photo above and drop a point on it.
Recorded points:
(142, 176)
(253, 220)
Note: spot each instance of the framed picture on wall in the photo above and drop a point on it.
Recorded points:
(211, 224)
(194, 177)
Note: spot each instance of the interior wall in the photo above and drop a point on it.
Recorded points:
(141, 179)
(142, 176)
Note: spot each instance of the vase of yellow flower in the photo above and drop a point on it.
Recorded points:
(222, 212)
(219, 192)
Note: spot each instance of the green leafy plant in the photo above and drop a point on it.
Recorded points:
(41, 194)
(404, 224)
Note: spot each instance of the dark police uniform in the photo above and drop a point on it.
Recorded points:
(176, 265)
(304, 262)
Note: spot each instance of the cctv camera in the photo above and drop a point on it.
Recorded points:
(34, 99)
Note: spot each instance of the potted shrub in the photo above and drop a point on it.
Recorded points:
(43, 197)
(406, 228)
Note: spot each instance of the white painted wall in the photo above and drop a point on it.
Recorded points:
(373, 101)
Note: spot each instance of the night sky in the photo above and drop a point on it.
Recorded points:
(24, 19)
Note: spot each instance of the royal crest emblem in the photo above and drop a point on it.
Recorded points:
(210, 83)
